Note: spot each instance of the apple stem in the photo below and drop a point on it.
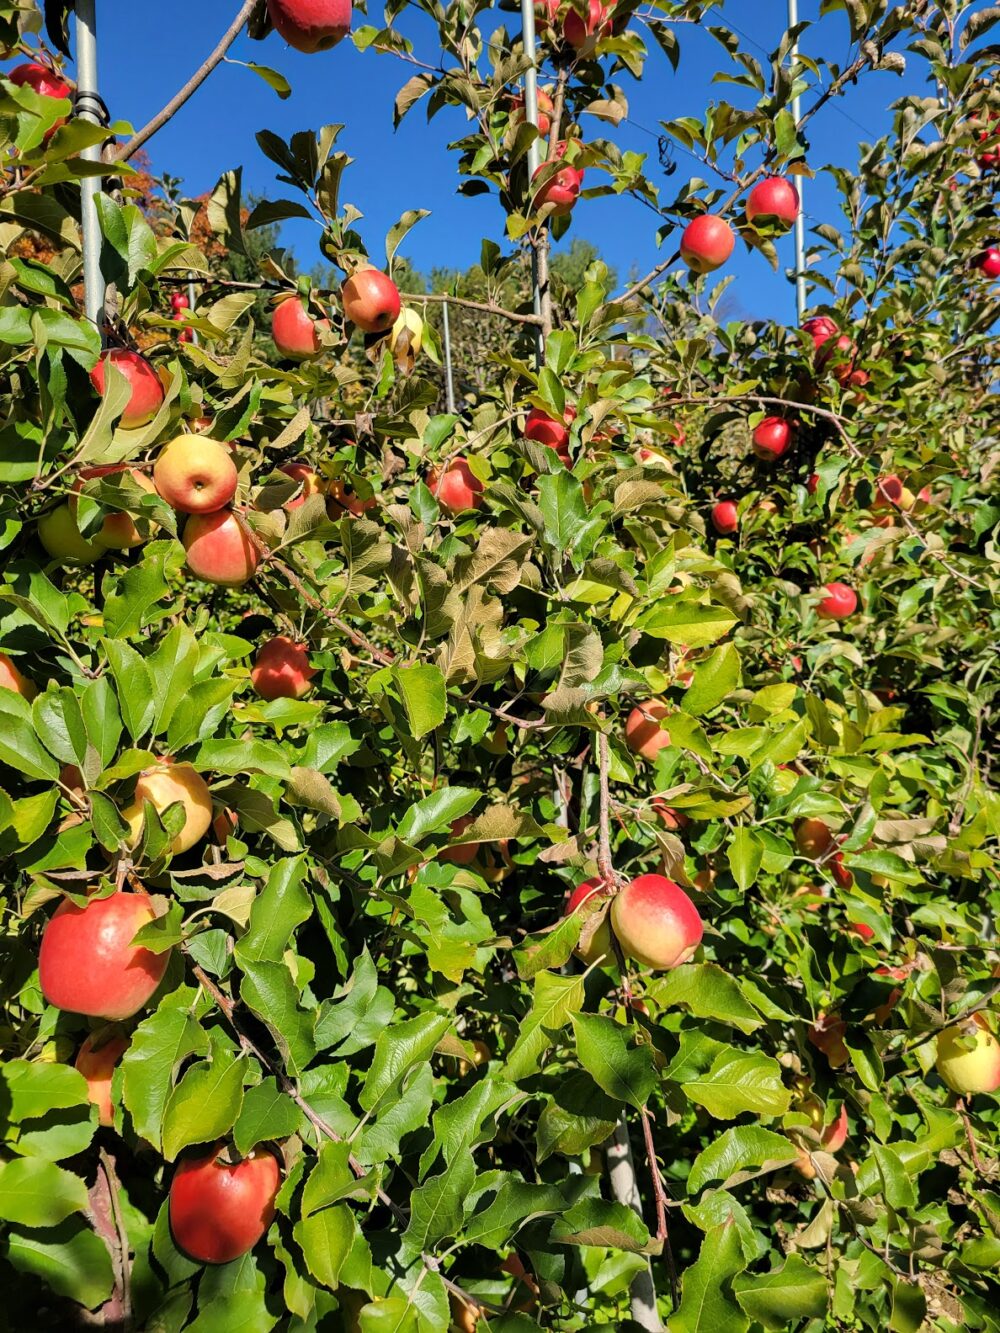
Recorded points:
(126, 150)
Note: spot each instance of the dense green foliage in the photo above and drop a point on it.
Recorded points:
(369, 968)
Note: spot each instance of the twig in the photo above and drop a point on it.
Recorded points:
(964, 1116)
(356, 637)
(114, 1195)
(660, 1199)
(126, 150)
(604, 867)
(487, 307)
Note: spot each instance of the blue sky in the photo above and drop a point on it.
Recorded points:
(144, 58)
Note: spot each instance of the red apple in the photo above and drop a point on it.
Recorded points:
(219, 549)
(827, 1035)
(578, 31)
(643, 733)
(560, 189)
(311, 25)
(656, 922)
(839, 601)
(813, 838)
(774, 201)
(543, 429)
(295, 331)
(45, 82)
(724, 518)
(465, 852)
(219, 1210)
(97, 1063)
(11, 679)
(371, 300)
(812, 485)
(457, 488)
(863, 932)
(988, 262)
(311, 483)
(87, 963)
(843, 877)
(669, 817)
(707, 243)
(195, 475)
(343, 499)
(147, 390)
(282, 670)
(772, 438)
(592, 892)
(821, 328)
(545, 109)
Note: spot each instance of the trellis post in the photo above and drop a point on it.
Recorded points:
(90, 107)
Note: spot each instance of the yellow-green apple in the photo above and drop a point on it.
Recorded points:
(773, 201)
(311, 483)
(343, 499)
(195, 475)
(58, 533)
(87, 962)
(838, 601)
(585, 899)
(118, 532)
(644, 734)
(281, 669)
(163, 786)
(706, 243)
(311, 25)
(12, 679)
(219, 549)
(725, 519)
(656, 923)
(456, 488)
(772, 438)
(146, 385)
(219, 1209)
(407, 333)
(371, 300)
(295, 331)
(968, 1056)
(96, 1061)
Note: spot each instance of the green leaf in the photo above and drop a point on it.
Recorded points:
(267, 1113)
(331, 1178)
(569, 528)
(326, 1239)
(598, 1222)
(69, 1259)
(740, 1081)
(435, 813)
(555, 999)
(59, 724)
(134, 686)
(745, 855)
(785, 1296)
(735, 1150)
(687, 624)
(708, 992)
(31, 1090)
(238, 1311)
(36, 1193)
(205, 1103)
(714, 680)
(424, 696)
(624, 1071)
(706, 1306)
(19, 746)
(279, 909)
(269, 990)
(159, 1045)
(398, 1050)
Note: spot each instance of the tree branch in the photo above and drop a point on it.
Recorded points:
(356, 637)
(604, 867)
(126, 150)
(486, 307)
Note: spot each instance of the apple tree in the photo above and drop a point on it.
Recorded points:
(531, 866)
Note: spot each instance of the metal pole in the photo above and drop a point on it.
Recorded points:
(448, 378)
(621, 1169)
(89, 107)
(194, 333)
(534, 152)
(800, 221)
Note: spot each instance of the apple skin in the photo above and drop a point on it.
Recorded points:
(773, 200)
(343, 499)
(218, 1211)
(591, 891)
(578, 31)
(147, 390)
(466, 852)
(408, 322)
(821, 328)
(561, 190)
(812, 485)
(294, 330)
(311, 483)
(161, 787)
(311, 25)
(643, 734)
(656, 923)
(543, 429)
(98, 1066)
(219, 549)
(813, 838)
(12, 679)
(838, 602)
(827, 1035)
(457, 488)
(40, 79)
(87, 963)
(281, 669)
(968, 1057)
(725, 520)
(988, 262)
(195, 475)
(371, 300)
(772, 438)
(675, 820)
(118, 532)
(707, 242)
(58, 533)
(545, 109)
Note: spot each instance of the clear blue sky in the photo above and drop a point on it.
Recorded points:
(145, 56)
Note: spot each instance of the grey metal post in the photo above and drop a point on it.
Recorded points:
(800, 221)
(191, 298)
(621, 1169)
(534, 152)
(88, 107)
(448, 377)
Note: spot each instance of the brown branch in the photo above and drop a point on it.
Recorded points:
(660, 1199)
(356, 637)
(970, 1137)
(604, 867)
(486, 307)
(114, 1196)
(126, 150)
